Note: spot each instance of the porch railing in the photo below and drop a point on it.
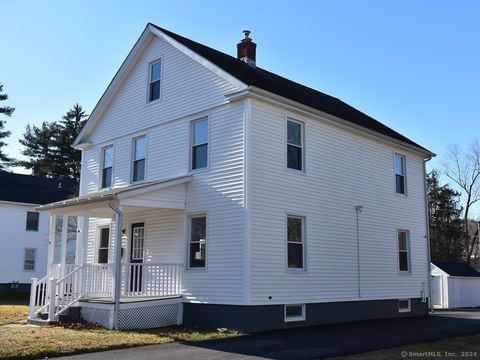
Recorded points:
(52, 295)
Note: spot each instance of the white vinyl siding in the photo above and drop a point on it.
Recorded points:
(341, 164)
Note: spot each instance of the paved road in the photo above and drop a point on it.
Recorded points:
(308, 343)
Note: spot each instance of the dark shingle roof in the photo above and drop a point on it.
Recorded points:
(456, 268)
(35, 189)
(263, 79)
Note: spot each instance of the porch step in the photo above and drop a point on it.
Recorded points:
(40, 322)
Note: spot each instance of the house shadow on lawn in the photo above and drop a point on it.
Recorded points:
(347, 338)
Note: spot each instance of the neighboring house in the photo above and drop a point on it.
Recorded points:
(229, 196)
(454, 285)
(24, 237)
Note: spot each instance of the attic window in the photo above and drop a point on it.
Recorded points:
(154, 83)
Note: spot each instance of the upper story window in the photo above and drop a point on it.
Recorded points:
(139, 155)
(199, 144)
(295, 242)
(403, 250)
(400, 174)
(198, 241)
(32, 220)
(295, 144)
(107, 166)
(154, 81)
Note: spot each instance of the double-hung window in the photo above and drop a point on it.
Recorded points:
(198, 241)
(403, 250)
(29, 259)
(400, 174)
(154, 81)
(107, 166)
(199, 144)
(103, 245)
(139, 155)
(295, 242)
(295, 145)
(32, 221)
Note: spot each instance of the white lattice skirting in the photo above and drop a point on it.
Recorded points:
(135, 315)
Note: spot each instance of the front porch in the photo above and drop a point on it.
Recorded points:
(128, 263)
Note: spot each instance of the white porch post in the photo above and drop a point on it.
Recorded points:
(82, 249)
(79, 242)
(51, 242)
(63, 251)
(117, 264)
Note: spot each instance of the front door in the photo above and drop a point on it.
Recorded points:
(137, 244)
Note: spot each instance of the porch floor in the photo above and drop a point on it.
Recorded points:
(127, 300)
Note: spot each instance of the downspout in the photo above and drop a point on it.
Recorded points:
(118, 264)
(358, 210)
(427, 224)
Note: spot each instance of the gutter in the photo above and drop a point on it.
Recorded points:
(427, 236)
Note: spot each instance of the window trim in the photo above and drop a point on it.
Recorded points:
(38, 221)
(97, 241)
(303, 142)
(132, 159)
(189, 218)
(303, 317)
(191, 123)
(406, 310)
(102, 163)
(34, 259)
(149, 81)
(304, 242)
(409, 264)
(404, 161)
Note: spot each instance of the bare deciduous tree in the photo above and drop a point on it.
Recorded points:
(463, 168)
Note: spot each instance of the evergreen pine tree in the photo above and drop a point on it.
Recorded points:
(446, 229)
(5, 161)
(38, 143)
(66, 158)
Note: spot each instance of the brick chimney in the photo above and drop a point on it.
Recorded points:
(246, 49)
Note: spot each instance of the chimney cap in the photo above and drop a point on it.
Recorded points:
(246, 33)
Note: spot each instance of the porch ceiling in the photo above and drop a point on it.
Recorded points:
(166, 194)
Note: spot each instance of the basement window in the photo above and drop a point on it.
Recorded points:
(295, 312)
(404, 305)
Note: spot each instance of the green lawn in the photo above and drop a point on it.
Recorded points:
(463, 347)
(21, 341)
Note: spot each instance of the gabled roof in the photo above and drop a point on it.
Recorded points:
(234, 69)
(457, 268)
(36, 190)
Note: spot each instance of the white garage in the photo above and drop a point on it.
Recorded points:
(454, 285)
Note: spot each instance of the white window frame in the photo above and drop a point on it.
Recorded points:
(130, 242)
(303, 317)
(404, 164)
(34, 259)
(405, 310)
(102, 166)
(132, 167)
(409, 265)
(304, 242)
(98, 240)
(38, 221)
(302, 147)
(192, 122)
(189, 237)
(149, 80)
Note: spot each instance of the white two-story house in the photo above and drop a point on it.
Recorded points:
(217, 194)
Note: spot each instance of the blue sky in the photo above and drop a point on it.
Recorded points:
(414, 65)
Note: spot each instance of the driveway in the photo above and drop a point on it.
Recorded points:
(309, 343)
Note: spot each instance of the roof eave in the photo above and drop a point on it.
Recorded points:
(254, 92)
